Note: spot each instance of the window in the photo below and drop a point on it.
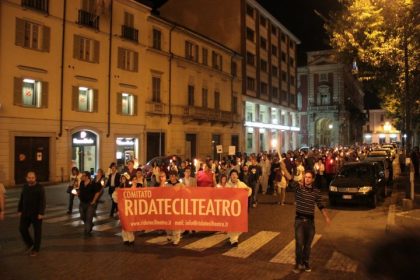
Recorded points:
(273, 50)
(263, 21)
(217, 100)
(217, 61)
(275, 92)
(40, 5)
(250, 11)
(128, 60)
(250, 34)
(283, 37)
(292, 80)
(324, 95)
(205, 53)
(263, 88)
(204, 97)
(234, 67)
(30, 93)
(323, 77)
(249, 117)
(250, 58)
(86, 49)
(155, 89)
(127, 104)
(291, 61)
(85, 99)
(274, 71)
(32, 36)
(263, 43)
(291, 44)
(283, 56)
(87, 15)
(234, 104)
(190, 95)
(293, 99)
(191, 51)
(89, 5)
(283, 98)
(127, 30)
(157, 39)
(273, 30)
(382, 117)
(283, 76)
(128, 19)
(263, 65)
(250, 83)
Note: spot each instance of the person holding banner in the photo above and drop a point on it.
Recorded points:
(127, 236)
(174, 236)
(234, 182)
(188, 181)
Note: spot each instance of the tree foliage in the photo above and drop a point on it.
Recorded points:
(380, 35)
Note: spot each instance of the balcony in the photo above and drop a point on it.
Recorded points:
(130, 33)
(39, 5)
(213, 116)
(154, 108)
(88, 19)
(318, 107)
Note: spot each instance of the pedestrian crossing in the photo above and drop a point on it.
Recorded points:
(249, 245)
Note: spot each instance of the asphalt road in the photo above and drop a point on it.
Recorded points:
(341, 250)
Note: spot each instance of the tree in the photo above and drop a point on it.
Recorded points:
(383, 37)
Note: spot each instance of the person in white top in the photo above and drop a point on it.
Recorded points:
(234, 182)
(188, 181)
(223, 181)
(173, 236)
(319, 169)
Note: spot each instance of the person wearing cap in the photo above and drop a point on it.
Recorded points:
(113, 182)
(173, 236)
(234, 182)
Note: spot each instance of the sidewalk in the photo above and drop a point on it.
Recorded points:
(400, 220)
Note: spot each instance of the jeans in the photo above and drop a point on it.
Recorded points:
(253, 198)
(304, 234)
(87, 211)
(71, 198)
(25, 223)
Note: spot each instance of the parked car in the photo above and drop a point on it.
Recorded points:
(379, 153)
(358, 181)
(385, 166)
(161, 161)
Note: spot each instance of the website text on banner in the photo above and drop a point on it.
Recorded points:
(183, 208)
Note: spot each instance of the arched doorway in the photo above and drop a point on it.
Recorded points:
(323, 132)
(85, 150)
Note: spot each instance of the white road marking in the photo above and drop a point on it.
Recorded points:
(287, 255)
(249, 246)
(341, 262)
(206, 242)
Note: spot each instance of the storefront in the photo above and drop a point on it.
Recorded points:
(127, 149)
(85, 150)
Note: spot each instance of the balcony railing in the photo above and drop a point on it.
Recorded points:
(88, 19)
(155, 108)
(130, 33)
(210, 115)
(39, 5)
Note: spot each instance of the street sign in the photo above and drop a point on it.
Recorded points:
(219, 149)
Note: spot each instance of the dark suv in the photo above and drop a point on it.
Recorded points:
(358, 181)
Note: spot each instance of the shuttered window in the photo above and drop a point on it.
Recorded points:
(155, 89)
(126, 104)
(85, 49)
(128, 60)
(29, 92)
(191, 51)
(32, 35)
(84, 99)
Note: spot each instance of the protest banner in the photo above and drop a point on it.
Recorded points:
(183, 208)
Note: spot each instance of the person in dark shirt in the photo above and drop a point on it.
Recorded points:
(88, 195)
(254, 178)
(306, 198)
(31, 209)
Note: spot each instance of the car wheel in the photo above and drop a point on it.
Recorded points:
(373, 201)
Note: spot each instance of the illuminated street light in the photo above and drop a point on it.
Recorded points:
(330, 126)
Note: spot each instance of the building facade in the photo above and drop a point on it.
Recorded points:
(268, 68)
(331, 100)
(86, 83)
(379, 129)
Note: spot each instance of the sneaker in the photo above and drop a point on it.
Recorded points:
(131, 243)
(254, 205)
(126, 243)
(234, 244)
(28, 250)
(298, 268)
(307, 267)
(33, 253)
